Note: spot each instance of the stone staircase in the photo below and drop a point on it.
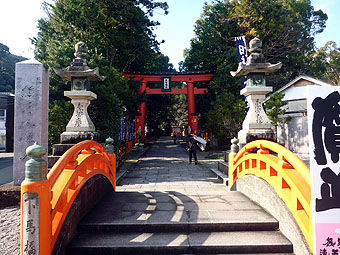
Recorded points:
(166, 206)
(176, 223)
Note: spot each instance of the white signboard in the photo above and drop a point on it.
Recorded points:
(323, 106)
(166, 84)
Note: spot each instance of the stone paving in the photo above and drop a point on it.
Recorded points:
(164, 188)
(164, 184)
(165, 203)
(166, 167)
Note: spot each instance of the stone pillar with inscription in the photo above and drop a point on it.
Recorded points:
(256, 125)
(31, 112)
(80, 127)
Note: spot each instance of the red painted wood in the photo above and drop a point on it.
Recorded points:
(197, 91)
(174, 77)
(190, 90)
(191, 104)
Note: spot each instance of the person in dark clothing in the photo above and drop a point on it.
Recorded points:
(174, 136)
(192, 144)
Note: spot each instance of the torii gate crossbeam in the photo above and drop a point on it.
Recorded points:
(166, 78)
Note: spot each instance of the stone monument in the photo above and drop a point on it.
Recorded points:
(256, 125)
(80, 127)
(31, 112)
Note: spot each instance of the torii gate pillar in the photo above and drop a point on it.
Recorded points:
(192, 118)
(140, 117)
(188, 77)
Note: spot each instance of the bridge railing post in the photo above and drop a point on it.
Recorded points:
(234, 149)
(109, 147)
(36, 204)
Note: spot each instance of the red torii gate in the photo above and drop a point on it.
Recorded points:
(166, 78)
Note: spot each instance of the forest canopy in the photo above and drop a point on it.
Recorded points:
(286, 29)
(120, 38)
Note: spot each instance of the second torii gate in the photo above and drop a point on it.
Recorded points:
(166, 78)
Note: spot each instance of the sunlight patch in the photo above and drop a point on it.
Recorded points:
(141, 238)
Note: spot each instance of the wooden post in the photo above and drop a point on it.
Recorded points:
(35, 205)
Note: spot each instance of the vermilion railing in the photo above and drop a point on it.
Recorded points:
(79, 164)
(284, 171)
(65, 180)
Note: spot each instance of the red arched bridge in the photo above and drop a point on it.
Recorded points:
(165, 205)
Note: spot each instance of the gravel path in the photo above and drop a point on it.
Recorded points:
(10, 230)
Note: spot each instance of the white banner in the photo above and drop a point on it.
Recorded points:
(324, 147)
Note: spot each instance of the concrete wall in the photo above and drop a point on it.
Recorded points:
(294, 135)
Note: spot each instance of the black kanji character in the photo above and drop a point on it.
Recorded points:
(329, 242)
(323, 252)
(29, 248)
(326, 114)
(330, 191)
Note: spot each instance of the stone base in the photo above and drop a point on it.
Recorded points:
(247, 136)
(76, 137)
(51, 160)
(69, 139)
(60, 149)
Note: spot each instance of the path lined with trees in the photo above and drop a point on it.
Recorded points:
(120, 36)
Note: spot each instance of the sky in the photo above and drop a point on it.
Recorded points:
(17, 25)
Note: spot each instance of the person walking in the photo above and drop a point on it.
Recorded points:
(192, 144)
(174, 136)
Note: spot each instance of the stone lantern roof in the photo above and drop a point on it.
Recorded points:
(79, 66)
(256, 62)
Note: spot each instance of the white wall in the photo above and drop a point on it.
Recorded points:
(294, 135)
(295, 93)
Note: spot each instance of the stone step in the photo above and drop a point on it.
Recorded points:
(238, 242)
(174, 211)
(189, 227)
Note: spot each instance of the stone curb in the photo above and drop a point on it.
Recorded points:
(127, 164)
(221, 176)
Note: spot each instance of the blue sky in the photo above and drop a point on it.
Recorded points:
(17, 25)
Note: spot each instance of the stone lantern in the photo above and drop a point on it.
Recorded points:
(256, 125)
(80, 127)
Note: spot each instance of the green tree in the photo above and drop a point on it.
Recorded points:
(286, 28)
(7, 67)
(274, 109)
(325, 63)
(120, 37)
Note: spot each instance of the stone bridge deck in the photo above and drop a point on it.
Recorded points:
(164, 205)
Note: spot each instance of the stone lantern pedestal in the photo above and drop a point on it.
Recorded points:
(256, 125)
(80, 126)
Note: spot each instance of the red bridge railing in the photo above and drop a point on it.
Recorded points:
(58, 192)
(284, 171)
